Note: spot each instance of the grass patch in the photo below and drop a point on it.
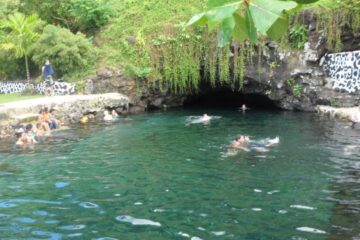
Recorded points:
(5, 98)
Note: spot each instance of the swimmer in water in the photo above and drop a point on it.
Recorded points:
(243, 108)
(114, 115)
(243, 143)
(108, 117)
(355, 118)
(21, 139)
(205, 117)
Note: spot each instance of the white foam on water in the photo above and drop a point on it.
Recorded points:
(137, 221)
(272, 192)
(218, 233)
(183, 234)
(195, 238)
(52, 222)
(203, 214)
(88, 205)
(201, 229)
(7, 205)
(310, 230)
(159, 210)
(72, 227)
(138, 203)
(106, 238)
(117, 194)
(167, 190)
(25, 220)
(257, 190)
(6, 173)
(62, 184)
(282, 211)
(74, 235)
(302, 207)
(256, 209)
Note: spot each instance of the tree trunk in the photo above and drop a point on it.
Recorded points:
(27, 69)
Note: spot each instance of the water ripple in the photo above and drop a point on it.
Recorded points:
(137, 221)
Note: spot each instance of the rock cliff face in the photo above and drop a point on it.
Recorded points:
(141, 97)
(293, 80)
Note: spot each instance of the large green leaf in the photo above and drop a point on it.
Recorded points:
(219, 3)
(244, 27)
(198, 19)
(218, 14)
(226, 31)
(305, 1)
(277, 30)
(247, 18)
(266, 12)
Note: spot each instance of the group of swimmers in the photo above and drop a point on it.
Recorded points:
(107, 117)
(30, 134)
(242, 142)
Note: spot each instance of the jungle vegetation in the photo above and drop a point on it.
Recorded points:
(172, 43)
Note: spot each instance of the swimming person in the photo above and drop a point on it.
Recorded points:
(243, 108)
(30, 133)
(84, 119)
(21, 139)
(355, 118)
(40, 132)
(114, 115)
(108, 117)
(243, 143)
(205, 118)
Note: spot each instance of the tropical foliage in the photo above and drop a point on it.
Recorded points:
(20, 33)
(150, 39)
(245, 19)
(68, 52)
(76, 15)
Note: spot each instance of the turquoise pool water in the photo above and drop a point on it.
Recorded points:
(156, 177)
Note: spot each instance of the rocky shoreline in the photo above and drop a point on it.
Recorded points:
(71, 108)
(349, 114)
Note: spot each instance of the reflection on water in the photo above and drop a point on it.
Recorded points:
(157, 177)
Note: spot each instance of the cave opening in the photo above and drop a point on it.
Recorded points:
(226, 98)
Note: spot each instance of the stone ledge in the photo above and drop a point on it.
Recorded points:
(71, 107)
(349, 114)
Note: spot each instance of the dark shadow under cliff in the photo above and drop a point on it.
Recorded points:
(226, 98)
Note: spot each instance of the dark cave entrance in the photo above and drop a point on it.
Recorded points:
(226, 98)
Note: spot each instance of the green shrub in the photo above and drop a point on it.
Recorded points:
(90, 15)
(77, 15)
(297, 90)
(67, 52)
(298, 36)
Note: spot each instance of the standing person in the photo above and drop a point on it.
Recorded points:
(47, 71)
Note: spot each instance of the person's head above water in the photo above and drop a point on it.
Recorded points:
(29, 127)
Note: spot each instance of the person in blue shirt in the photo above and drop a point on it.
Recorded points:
(47, 71)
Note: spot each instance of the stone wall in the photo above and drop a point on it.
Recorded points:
(343, 70)
(141, 97)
